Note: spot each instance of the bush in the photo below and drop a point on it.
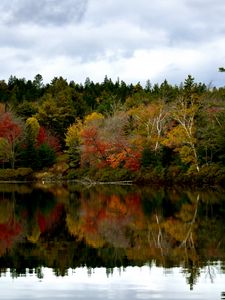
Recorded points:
(149, 158)
(24, 172)
(15, 174)
(151, 175)
(104, 174)
(76, 173)
(208, 175)
(109, 174)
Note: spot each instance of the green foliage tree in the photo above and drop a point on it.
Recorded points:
(26, 109)
(4, 150)
(28, 154)
(46, 156)
(57, 110)
(4, 92)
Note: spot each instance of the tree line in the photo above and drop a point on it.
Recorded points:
(130, 128)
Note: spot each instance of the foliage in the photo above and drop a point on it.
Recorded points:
(113, 125)
(10, 134)
(73, 142)
(16, 174)
(182, 136)
(26, 109)
(4, 150)
(93, 118)
(40, 147)
(32, 127)
(149, 158)
(46, 156)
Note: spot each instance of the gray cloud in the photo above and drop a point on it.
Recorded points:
(43, 12)
(182, 20)
(133, 40)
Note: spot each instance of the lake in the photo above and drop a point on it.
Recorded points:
(68, 241)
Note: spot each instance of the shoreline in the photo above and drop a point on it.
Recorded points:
(209, 176)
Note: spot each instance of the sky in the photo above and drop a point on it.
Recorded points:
(133, 40)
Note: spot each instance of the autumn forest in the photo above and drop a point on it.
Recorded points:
(112, 131)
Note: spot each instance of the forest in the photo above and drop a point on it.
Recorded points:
(109, 131)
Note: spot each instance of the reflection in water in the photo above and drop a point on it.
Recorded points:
(67, 227)
(132, 283)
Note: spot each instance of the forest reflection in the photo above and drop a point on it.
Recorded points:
(69, 226)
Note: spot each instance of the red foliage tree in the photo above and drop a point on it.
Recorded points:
(103, 147)
(45, 137)
(41, 137)
(11, 130)
(94, 149)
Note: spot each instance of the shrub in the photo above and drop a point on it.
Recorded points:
(15, 174)
(152, 175)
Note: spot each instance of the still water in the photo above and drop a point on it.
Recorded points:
(111, 242)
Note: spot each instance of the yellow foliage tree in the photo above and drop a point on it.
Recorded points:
(73, 141)
(32, 126)
(93, 118)
(182, 137)
(150, 122)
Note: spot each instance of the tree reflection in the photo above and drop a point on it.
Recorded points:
(66, 227)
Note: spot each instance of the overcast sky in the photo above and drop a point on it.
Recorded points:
(133, 40)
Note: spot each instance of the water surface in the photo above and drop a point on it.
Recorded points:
(79, 242)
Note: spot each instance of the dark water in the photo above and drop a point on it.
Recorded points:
(111, 242)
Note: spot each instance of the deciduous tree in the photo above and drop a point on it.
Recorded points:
(11, 131)
(182, 136)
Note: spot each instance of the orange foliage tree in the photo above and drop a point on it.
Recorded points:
(109, 143)
(93, 148)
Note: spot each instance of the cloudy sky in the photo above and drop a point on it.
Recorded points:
(133, 40)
